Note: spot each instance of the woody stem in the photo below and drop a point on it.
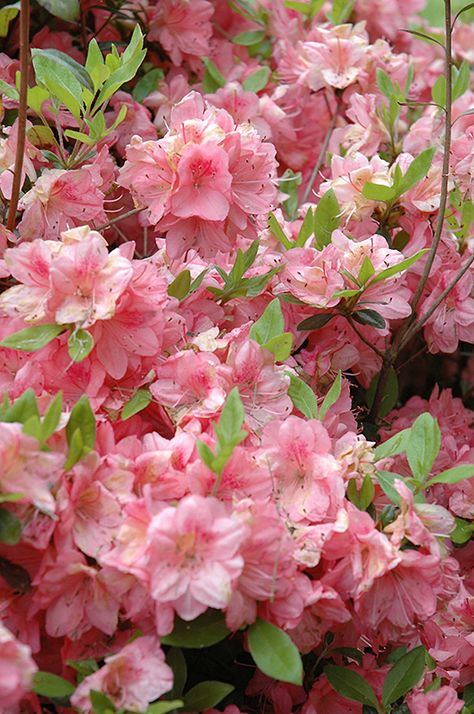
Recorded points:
(21, 136)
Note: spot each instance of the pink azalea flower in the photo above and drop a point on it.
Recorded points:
(182, 28)
(194, 559)
(60, 200)
(307, 478)
(16, 669)
(312, 276)
(438, 701)
(26, 469)
(204, 184)
(131, 679)
(76, 596)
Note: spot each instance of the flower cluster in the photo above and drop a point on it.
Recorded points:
(236, 359)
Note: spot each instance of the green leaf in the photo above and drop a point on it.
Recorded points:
(468, 696)
(276, 230)
(369, 317)
(213, 79)
(82, 418)
(231, 418)
(341, 11)
(351, 685)
(303, 397)
(274, 652)
(50, 685)
(22, 408)
(327, 217)
(307, 228)
(438, 91)
(462, 82)
(177, 661)
(256, 81)
(462, 531)
(384, 83)
(386, 480)
(423, 445)
(32, 338)
(6, 90)
(453, 475)
(316, 321)
(390, 393)
(397, 444)
(164, 707)
(64, 67)
(366, 271)
(7, 14)
(378, 192)
(83, 667)
(206, 695)
(350, 653)
(180, 286)
(399, 267)
(404, 675)
(123, 68)
(270, 324)
(331, 397)
(10, 527)
(361, 498)
(64, 9)
(76, 450)
(101, 704)
(147, 84)
(11, 497)
(417, 170)
(79, 345)
(254, 37)
(140, 400)
(205, 631)
(280, 346)
(288, 185)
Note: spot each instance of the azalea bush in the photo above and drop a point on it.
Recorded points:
(236, 357)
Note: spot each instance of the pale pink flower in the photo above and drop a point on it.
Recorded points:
(387, 297)
(194, 559)
(190, 382)
(453, 320)
(76, 596)
(7, 159)
(262, 385)
(349, 176)
(438, 701)
(16, 669)
(182, 28)
(148, 175)
(26, 469)
(312, 276)
(60, 200)
(204, 184)
(131, 679)
(308, 482)
(75, 280)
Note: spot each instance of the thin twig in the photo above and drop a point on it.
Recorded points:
(364, 339)
(407, 330)
(117, 219)
(446, 157)
(424, 318)
(21, 136)
(322, 154)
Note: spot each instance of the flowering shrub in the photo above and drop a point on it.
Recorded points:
(236, 357)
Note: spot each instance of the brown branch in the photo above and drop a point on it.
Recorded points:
(21, 136)
(117, 219)
(322, 153)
